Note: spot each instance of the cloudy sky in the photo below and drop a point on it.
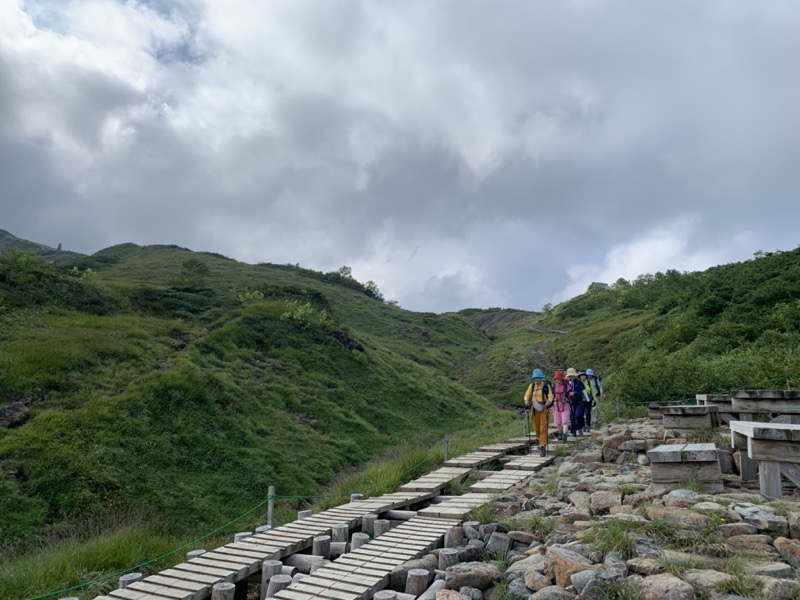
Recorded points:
(460, 153)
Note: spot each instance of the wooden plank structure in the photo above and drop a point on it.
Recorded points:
(435, 480)
(473, 460)
(528, 463)
(354, 575)
(654, 410)
(772, 403)
(683, 419)
(500, 481)
(359, 574)
(776, 449)
(458, 507)
(724, 404)
(673, 464)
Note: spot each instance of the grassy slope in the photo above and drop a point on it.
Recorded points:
(191, 403)
(666, 336)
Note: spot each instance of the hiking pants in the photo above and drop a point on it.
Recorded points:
(576, 417)
(587, 413)
(539, 425)
(561, 417)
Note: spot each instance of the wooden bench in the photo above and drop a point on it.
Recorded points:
(686, 418)
(776, 449)
(654, 410)
(767, 404)
(674, 464)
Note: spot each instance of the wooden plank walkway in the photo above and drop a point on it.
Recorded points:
(435, 480)
(359, 574)
(528, 463)
(500, 481)
(456, 508)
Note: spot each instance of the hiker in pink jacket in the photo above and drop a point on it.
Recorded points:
(561, 405)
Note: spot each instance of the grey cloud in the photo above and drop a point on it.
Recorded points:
(525, 138)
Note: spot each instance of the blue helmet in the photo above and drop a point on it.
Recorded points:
(590, 372)
(537, 374)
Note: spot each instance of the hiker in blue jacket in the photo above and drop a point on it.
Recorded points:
(577, 402)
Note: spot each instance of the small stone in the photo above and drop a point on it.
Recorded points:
(731, 529)
(499, 543)
(777, 570)
(552, 592)
(536, 580)
(565, 563)
(601, 502)
(793, 519)
(780, 589)
(450, 595)
(523, 537)
(518, 589)
(471, 592)
(665, 587)
(683, 518)
(705, 580)
(789, 549)
(474, 574)
(645, 566)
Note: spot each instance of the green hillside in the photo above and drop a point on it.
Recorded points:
(172, 387)
(188, 383)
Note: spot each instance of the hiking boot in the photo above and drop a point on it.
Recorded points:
(541, 450)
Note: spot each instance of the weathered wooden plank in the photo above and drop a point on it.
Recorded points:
(688, 410)
(200, 569)
(773, 450)
(777, 406)
(199, 589)
(160, 590)
(676, 474)
(768, 431)
(128, 594)
(192, 576)
(792, 472)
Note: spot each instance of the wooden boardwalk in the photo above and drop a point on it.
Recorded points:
(362, 572)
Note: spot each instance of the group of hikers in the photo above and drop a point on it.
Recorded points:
(572, 398)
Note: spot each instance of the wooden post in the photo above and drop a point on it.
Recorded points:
(338, 548)
(194, 554)
(748, 467)
(270, 506)
(302, 562)
(269, 568)
(356, 497)
(358, 540)
(290, 571)
(399, 515)
(223, 591)
(340, 532)
(381, 526)
(368, 523)
(238, 537)
(278, 583)
(445, 447)
(430, 593)
(322, 546)
(417, 581)
(769, 478)
(304, 514)
(128, 579)
(385, 595)
(447, 558)
(454, 537)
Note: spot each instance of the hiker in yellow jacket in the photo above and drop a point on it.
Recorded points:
(539, 397)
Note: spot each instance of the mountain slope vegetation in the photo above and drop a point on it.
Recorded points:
(179, 385)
